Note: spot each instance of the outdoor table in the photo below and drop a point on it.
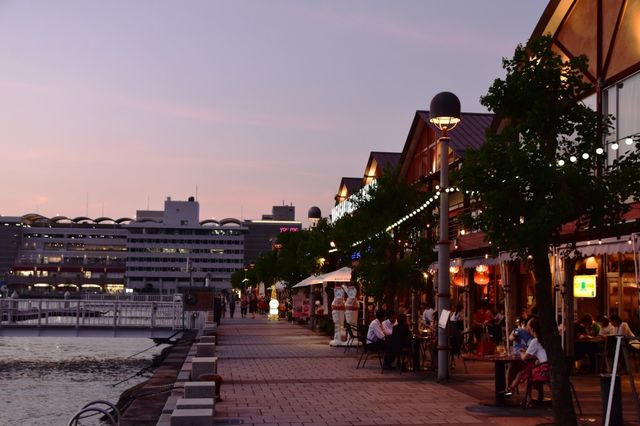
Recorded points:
(420, 347)
(500, 383)
(590, 346)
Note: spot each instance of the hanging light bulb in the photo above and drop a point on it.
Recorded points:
(599, 151)
(560, 163)
(628, 141)
(585, 156)
(573, 159)
(482, 268)
(454, 269)
(615, 146)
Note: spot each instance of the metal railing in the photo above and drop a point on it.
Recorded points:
(90, 313)
(131, 297)
(91, 409)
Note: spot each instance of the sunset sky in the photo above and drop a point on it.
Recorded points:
(123, 103)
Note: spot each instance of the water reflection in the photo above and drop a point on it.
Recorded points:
(46, 380)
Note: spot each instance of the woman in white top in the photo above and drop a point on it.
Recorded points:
(622, 329)
(536, 355)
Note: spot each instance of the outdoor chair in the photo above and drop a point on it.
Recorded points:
(539, 385)
(530, 384)
(353, 338)
(404, 357)
(456, 340)
(368, 348)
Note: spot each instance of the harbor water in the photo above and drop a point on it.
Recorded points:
(46, 380)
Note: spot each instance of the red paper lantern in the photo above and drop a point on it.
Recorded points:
(458, 280)
(481, 278)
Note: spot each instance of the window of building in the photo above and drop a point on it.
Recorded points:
(622, 101)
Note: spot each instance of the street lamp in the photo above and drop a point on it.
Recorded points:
(444, 113)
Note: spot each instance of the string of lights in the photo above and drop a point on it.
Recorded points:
(629, 140)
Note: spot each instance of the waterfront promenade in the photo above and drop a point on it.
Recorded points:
(281, 373)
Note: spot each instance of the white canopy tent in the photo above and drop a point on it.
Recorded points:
(310, 280)
(340, 275)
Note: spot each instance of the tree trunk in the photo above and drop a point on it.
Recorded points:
(563, 411)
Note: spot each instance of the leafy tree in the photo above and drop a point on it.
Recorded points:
(302, 251)
(392, 258)
(298, 256)
(289, 268)
(238, 277)
(266, 268)
(543, 169)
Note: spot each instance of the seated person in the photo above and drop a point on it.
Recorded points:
(375, 334)
(520, 338)
(606, 328)
(457, 316)
(622, 329)
(496, 324)
(387, 325)
(586, 346)
(481, 319)
(399, 340)
(592, 328)
(427, 314)
(535, 357)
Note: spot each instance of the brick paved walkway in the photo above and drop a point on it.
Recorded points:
(280, 373)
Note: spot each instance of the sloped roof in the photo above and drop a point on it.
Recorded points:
(469, 133)
(385, 159)
(352, 184)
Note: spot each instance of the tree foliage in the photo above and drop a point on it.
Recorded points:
(525, 176)
(239, 276)
(295, 256)
(303, 252)
(390, 259)
(544, 168)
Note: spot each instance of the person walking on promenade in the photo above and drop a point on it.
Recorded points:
(217, 309)
(243, 306)
(232, 305)
(253, 306)
(223, 306)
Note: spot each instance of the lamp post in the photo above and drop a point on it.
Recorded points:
(444, 113)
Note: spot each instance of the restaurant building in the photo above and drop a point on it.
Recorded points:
(605, 279)
(608, 33)
(420, 164)
(350, 187)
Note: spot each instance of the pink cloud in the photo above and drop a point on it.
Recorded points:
(220, 116)
(427, 34)
(40, 200)
(30, 88)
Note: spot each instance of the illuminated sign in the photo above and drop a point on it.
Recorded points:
(289, 229)
(584, 286)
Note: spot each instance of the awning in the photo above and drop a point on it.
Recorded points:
(475, 261)
(472, 262)
(310, 280)
(341, 275)
(606, 246)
